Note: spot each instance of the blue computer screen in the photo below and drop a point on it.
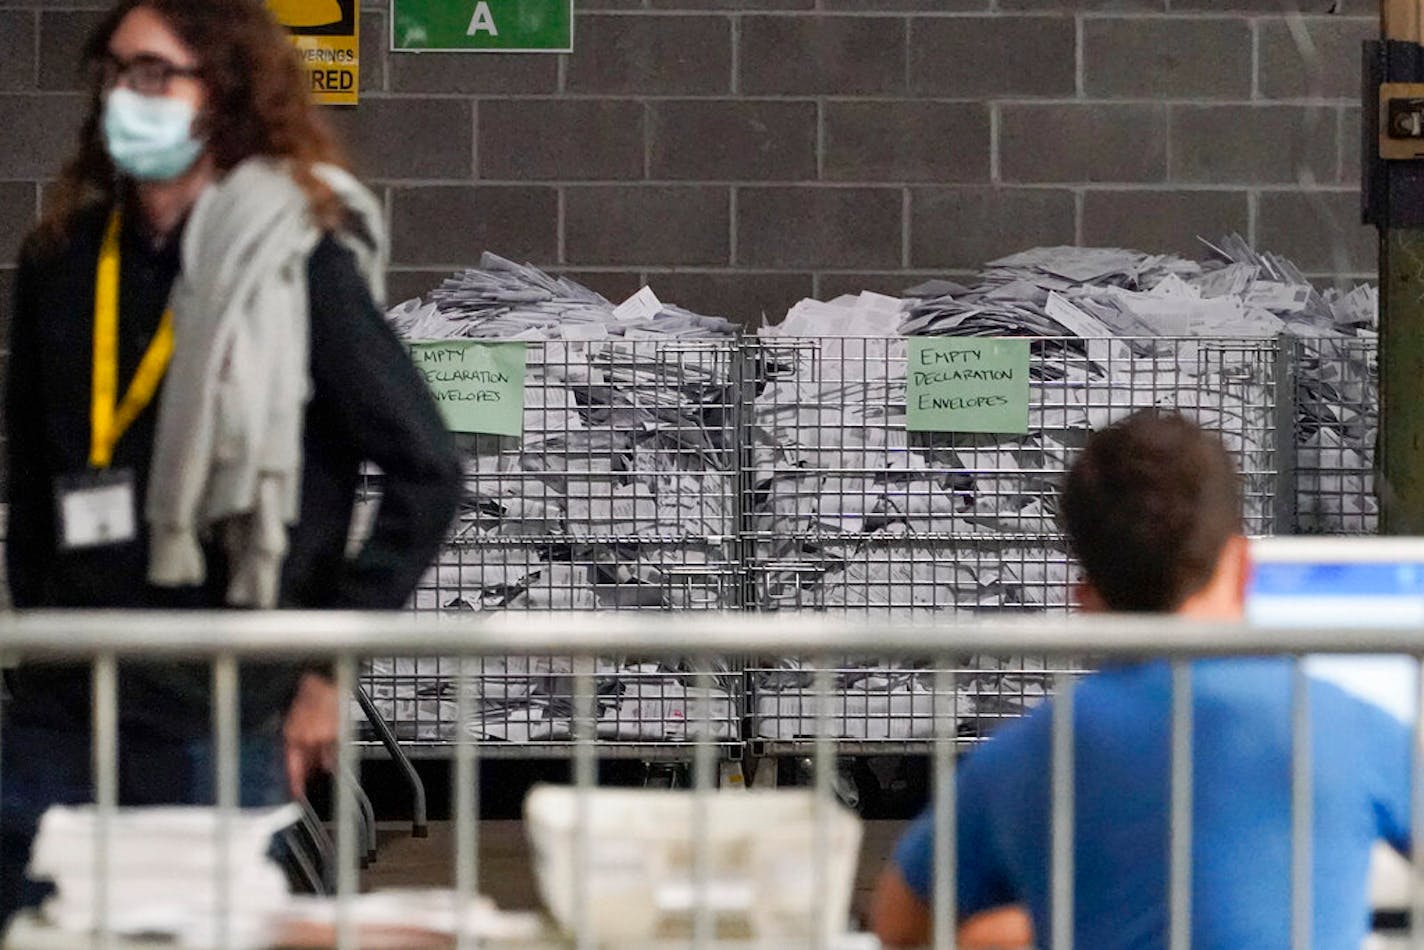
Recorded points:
(1349, 594)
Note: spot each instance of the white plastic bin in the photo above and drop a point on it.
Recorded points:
(762, 883)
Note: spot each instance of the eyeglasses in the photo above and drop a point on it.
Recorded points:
(145, 73)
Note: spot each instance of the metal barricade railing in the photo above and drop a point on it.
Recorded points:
(107, 639)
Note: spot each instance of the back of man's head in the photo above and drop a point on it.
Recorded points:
(1149, 507)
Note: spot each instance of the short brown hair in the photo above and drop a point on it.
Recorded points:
(259, 103)
(1148, 507)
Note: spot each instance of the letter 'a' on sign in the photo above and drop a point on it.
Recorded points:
(327, 35)
(482, 21)
(967, 384)
(478, 385)
(482, 26)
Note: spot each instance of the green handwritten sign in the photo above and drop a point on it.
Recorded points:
(967, 384)
(478, 386)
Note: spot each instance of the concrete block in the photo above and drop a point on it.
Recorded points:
(652, 55)
(729, 140)
(1083, 143)
(814, 55)
(1253, 144)
(450, 226)
(1162, 222)
(1319, 230)
(409, 138)
(1333, 72)
(647, 224)
(975, 57)
(962, 228)
(1175, 58)
(569, 139)
(906, 141)
(807, 227)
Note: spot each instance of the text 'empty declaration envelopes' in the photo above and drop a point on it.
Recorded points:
(963, 384)
(479, 386)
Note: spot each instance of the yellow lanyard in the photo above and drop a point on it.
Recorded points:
(108, 420)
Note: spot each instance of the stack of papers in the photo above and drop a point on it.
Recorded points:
(406, 918)
(502, 300)
(1337, 394)
(163, 873)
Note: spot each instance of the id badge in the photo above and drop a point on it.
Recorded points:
(96, 509)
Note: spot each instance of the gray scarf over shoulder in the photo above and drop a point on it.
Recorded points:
(228, 453)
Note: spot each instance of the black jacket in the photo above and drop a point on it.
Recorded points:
(368, 405)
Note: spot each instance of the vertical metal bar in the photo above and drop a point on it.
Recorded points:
(106, 785)
(346, 871)
(585, 778)
(704, 789)
(1180, 876)
(741, 455)
(226, 765)
(419, 826)
(1301, 809)
(1286, 396)
(1401, 384)
(946, 851)
(3, 663)
(1061, 881)
(467, 823)
(1416, 814)
(824, 763)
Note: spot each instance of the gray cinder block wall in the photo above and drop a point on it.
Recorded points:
(741, 154)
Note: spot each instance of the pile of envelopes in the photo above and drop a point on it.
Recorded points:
(621, 492)
(852, 512)
(622, 489)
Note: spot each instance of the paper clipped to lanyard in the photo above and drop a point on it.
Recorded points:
(96, 509)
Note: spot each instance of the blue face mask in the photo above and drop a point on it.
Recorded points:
(150, 138)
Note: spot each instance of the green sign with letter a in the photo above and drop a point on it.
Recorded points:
(482, 26)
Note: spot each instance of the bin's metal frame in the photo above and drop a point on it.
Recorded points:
(573, 400)
(1284, 482)
(815, 482)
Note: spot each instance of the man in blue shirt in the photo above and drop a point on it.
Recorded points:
(1152, 512)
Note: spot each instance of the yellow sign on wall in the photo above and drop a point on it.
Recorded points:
(327, 33)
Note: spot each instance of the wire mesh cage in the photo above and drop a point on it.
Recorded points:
(622, 494)
(1337, 422)
(778, 474)
(849, 511)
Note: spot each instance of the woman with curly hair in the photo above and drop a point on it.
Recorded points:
(198, 370)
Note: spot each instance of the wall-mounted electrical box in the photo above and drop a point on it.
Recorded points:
(1401, 120)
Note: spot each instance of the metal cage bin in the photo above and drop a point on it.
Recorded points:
(849, 512)
(1337, 423)
(622, 494)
